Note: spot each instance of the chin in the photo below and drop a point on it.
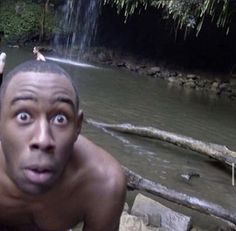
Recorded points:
(35, 190)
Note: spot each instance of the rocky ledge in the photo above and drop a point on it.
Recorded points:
(219, 86)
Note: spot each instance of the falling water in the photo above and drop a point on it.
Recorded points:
(77, 27)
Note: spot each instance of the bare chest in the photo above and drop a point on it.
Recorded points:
(53, 215)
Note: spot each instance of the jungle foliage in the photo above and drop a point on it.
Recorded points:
(188, 14)
(23, 20)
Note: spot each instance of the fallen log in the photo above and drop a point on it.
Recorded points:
(216, 151)
(137, 182)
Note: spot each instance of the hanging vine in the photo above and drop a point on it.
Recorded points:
(188, 14)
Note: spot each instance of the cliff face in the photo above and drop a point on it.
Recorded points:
(148, 35)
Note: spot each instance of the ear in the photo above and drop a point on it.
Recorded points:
(80, 118)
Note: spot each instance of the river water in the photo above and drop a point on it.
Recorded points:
(116, 96)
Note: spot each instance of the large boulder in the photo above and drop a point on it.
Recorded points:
(158, 213)
(132, 223)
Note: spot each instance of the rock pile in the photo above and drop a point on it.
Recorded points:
(149, 215)
(192, 81)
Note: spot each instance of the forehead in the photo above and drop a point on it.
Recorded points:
(42, 83)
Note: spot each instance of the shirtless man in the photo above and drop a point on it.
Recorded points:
(38, 54)
(51, 177)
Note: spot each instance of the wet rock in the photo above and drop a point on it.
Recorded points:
(172, 80)
(104, 57)
(215, 87)
(148, 67)
(225, 228)
(197, 229)
(131, 66)
(233, 94)
(173, 74)
(192, 76)
(233, 82)
(120, 64)
(201, 83)
(153, 70)
(159, 215)
(188, 176)
(224, 87)
(165, 74)
(126, 208)
(190, 84)
(130, 223)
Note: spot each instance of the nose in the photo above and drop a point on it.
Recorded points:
(42, 137)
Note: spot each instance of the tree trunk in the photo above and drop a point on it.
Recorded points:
(137, 182)
(216, 151)
(45, 10)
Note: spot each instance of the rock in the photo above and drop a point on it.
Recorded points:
(120, 64)
(232, 82)
(192, 76)
(132, 223)
(158, 213)
(233, 93)
(201, 83)
(126, 208)
(153, 70)
(224, 86)
(180, 81)
(173, 74)
(215, 87)
(197, 229)
(103, 57)
(131, 66)
(165, 74)
(14, 46)
(188, 176)
(171, 79)
(190, 84)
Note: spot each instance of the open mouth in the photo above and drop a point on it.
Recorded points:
(38, 175)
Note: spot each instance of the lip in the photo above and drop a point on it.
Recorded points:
(39, 175)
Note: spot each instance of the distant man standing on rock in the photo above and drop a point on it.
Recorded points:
(51, 177)
(38, 54)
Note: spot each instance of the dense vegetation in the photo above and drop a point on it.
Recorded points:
(23, 19)
(188, 14)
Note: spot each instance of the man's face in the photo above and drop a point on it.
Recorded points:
(39, 124)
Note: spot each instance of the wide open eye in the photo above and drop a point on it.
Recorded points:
(60, 119)
(23, 117)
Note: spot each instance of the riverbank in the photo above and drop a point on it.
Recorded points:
(217, 84)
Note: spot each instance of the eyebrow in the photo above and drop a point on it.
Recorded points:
(64, 99)
(19, 98)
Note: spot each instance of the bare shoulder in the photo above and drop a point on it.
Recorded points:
(106, 187)
(95, 158)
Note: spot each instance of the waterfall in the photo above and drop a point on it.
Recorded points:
(77, 27)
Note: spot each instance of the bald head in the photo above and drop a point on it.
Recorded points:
(36, 67)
